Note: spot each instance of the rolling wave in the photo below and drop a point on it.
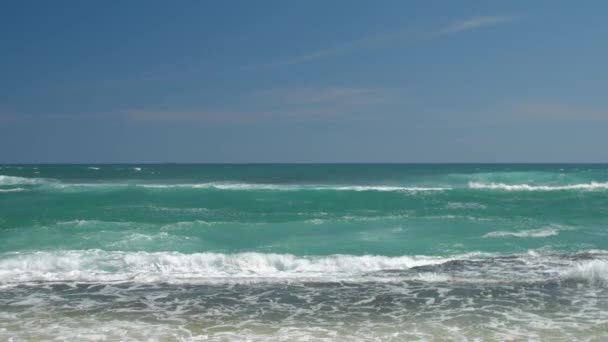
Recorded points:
(12, 190)
(592, 271)
(288, 187)
(47, 183)
(100, 266)
(104, 266)
(56, 184)
(12, 180)
(532, 233)
(527, 187)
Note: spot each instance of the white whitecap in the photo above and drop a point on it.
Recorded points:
(465, 205)
(174, 267)
(593, 271)
(12, 190)
(532, 233)
(12, 180)
(432, 277)
(527, 187)
(290, 187)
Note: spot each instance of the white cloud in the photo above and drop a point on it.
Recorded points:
(313, 96)
(211, 116)
(344, 48)
(393, 37)
(473, 24)
(284, 103)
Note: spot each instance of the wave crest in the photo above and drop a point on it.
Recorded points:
(97, 265)
(13, 180)
(12, 190)
(288, 187)
(527, 187)
(592, 271)
(532, 233)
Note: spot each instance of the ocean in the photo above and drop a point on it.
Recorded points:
(304, 252)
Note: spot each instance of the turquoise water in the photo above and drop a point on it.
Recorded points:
(304, 252)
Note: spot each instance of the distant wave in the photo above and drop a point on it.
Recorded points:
(527, 187)
(12, 190)
(238, 186)
(241, 187)
(460, 205)
(533, 233)
(12, 180)
(290, 187)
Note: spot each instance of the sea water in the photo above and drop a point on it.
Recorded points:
(304, 252)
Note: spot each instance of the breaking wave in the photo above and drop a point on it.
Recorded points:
(592, 271)
(98, 265)
(527, 187)
(286, 187)
(12, 190)
(532, 233)
(12, 180)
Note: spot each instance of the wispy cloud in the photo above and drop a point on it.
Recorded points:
(403, 36)
(298, 103)
(347, 47)
(203, 116)
(560, 112)
(28, 117)
(313, 96)
(473, 24)
(262, 105)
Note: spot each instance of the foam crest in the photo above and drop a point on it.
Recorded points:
(12, 180)
(288, 187)
(532, 233)
(527, 187)
(97, 265)
(592, 271)
(12, 190)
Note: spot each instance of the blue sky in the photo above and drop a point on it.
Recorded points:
(303, 81)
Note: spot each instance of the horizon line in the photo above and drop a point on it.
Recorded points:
(314, 163)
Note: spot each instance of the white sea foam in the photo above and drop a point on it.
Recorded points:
(392, 311)
(92, 168)
(97, 265)
(509, 324)
(290, 187)
(593, 271)
(532, 233)
(100, 186)
(12, 180)
(12, 190)
(463, 205)
(9, 180)
(527, 187)
(432, 277)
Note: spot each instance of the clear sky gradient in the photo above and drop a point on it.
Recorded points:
(303, 81)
